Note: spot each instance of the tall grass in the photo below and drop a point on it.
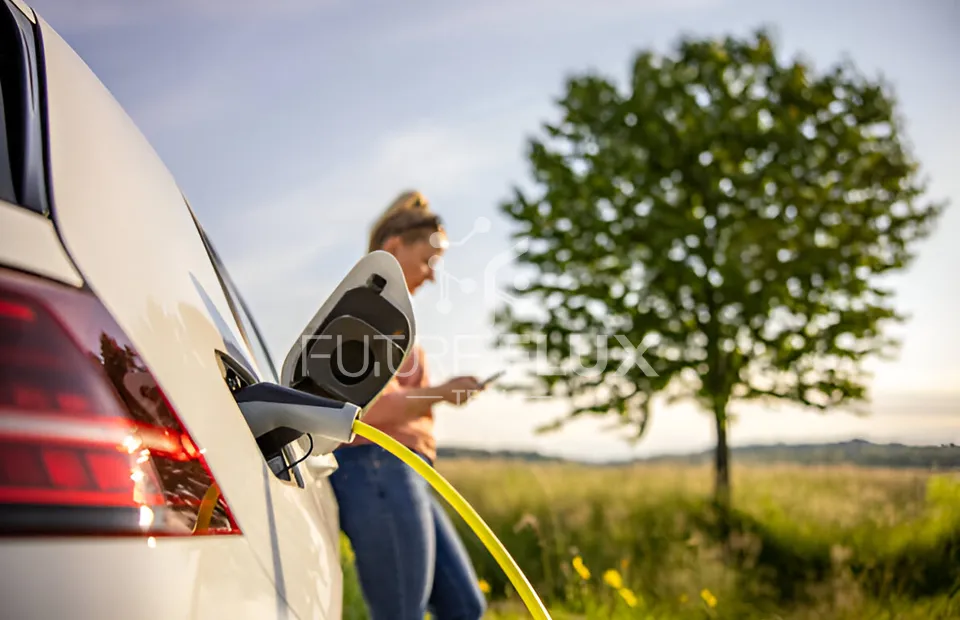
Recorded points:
(643, 541)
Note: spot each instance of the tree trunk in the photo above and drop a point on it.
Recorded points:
(721, 489)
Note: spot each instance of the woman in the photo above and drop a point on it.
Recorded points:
(408, 556)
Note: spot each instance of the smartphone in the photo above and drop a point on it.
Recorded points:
(491, 379)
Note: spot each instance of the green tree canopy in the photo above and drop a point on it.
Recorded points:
(731, 211)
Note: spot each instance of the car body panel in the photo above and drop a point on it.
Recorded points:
(131, 578)
(127, 229)
(30, 243)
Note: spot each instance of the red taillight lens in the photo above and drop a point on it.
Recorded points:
(89, 444)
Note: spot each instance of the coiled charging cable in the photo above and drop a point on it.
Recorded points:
(465, 510)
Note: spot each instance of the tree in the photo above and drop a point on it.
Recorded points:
(733, 212)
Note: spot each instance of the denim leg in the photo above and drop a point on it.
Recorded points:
(456, 593)
(385, 513)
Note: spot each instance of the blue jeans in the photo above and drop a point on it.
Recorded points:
(409, 557)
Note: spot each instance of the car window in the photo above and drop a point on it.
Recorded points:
(22, 165)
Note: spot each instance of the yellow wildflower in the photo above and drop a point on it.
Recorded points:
(346, 551)
(613, 579)
(581, 569)
(684, 598)
(708, 598)
(484, 586)
(628, 596)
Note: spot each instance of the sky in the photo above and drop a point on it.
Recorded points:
(291, 124)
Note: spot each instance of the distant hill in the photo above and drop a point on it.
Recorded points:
(510, 455)
(856, 452)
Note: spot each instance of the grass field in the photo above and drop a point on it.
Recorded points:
(643, 541)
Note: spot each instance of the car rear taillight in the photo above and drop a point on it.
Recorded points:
(89, 443)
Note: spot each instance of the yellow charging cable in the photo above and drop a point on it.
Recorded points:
(446, 490)
(465, 510)
(207, 505)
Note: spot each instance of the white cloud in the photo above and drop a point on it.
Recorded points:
(192, 103)
(275, 242)
(334, 212)
(288, 255)
(506, 16)
(105, 14)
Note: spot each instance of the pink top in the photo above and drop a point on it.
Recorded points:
(388, 415)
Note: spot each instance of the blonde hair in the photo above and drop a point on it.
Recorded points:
(408, 216)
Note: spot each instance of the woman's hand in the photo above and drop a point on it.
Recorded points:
(416, 402)
(458, 390)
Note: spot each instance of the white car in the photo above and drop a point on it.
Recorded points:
(151, 460)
